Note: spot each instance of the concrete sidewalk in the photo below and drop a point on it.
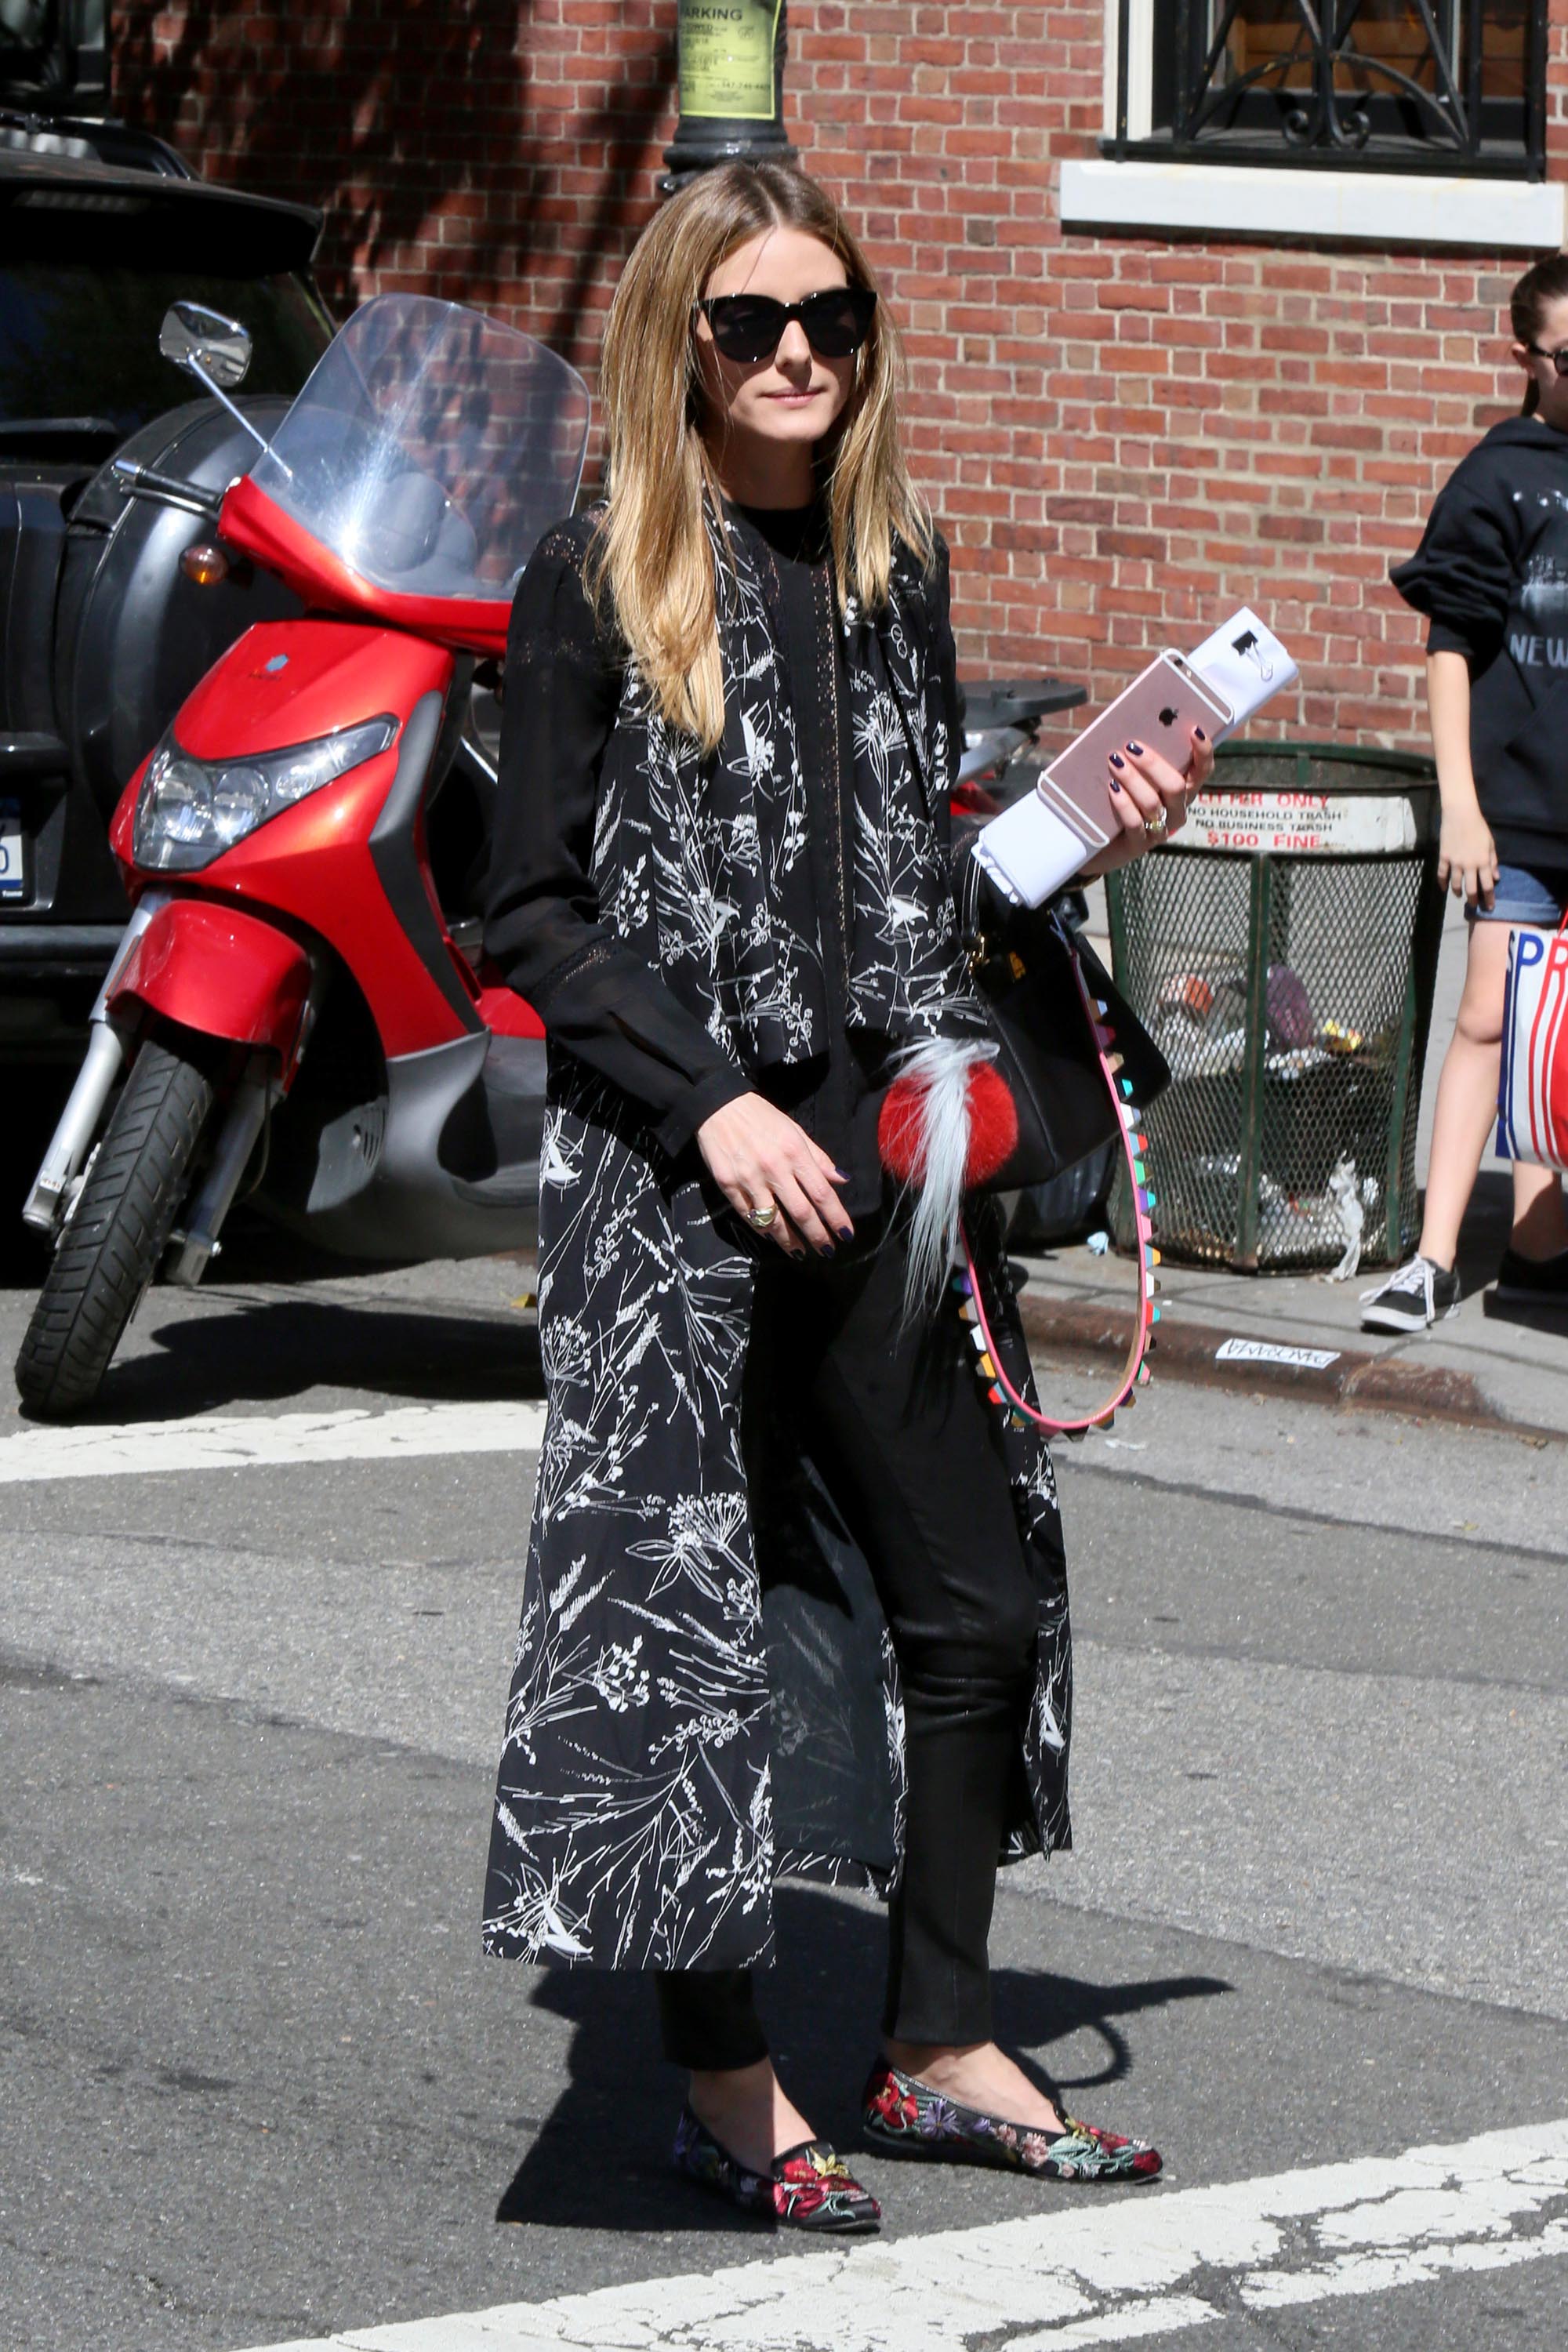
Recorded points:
(1490, 1366)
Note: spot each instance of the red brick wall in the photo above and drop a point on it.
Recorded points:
(1123, 437)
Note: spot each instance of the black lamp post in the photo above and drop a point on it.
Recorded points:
(731, 87)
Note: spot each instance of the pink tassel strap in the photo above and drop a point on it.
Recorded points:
(1135, 1372)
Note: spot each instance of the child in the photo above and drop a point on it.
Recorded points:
(1491, 574)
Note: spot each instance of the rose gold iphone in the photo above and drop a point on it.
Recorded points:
(1159, 711)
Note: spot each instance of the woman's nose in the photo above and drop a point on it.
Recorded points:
(795, 347)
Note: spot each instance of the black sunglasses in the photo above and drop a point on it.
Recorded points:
(1559, 358)
(751, 326)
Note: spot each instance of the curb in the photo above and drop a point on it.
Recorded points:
(1188, 1351)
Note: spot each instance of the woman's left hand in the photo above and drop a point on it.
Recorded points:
(1149, 799)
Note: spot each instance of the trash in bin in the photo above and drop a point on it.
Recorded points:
(1289, 1011)
(1189, 993)
(1283, 951)
(1352, 1200)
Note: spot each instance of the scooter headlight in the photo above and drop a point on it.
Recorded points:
(189, 811)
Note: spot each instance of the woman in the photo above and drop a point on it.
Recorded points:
(1491, 575)
(795, 1597)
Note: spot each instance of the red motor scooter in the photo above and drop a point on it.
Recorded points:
(304, 848)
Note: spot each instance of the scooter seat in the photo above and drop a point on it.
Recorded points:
(1015, 701)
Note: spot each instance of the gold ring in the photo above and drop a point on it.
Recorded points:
(1154, 826)
(762, 1218)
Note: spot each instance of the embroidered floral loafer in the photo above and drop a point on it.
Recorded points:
(810, 2187)
(906, 2117)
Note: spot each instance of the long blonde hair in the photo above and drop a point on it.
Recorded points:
(650, 554)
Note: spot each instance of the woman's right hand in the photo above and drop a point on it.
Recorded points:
(1467, 856)
(1148, 800)
(761, 1159)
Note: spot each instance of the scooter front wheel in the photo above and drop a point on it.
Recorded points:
(109, 1251)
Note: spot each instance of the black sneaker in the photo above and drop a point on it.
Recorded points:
(1532, 1281)
(1420, 1293)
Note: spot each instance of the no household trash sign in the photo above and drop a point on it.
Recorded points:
(1301, 825)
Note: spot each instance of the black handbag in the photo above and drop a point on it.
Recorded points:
(1057, 1016)
(1050, 999)
(1082, 1068)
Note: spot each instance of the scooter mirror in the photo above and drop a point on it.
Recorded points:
(204, 343)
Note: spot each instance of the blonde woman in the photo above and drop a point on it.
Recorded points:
(795, 1599)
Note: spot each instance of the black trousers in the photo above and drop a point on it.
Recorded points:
(900, 1427)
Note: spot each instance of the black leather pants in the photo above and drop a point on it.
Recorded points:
(900, 1427)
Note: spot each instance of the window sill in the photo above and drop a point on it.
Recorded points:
(1367, 208)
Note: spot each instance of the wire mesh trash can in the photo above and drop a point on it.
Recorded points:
(1283, 951)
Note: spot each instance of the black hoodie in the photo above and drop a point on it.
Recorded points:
(1491, 575)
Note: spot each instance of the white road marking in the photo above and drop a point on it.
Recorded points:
(1142, 2266)
(222, 1442)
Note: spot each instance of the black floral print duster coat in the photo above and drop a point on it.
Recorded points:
(688, 1720)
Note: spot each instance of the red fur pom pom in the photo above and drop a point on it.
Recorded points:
(993, 1126)
(899, 1135)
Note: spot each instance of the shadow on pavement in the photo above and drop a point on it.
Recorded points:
(1483, 1235)
(256, 1251)
(600, 2160)
(284, 1347)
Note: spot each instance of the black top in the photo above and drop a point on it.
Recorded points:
(564, 673)
(837, 1095)
(1491, 574)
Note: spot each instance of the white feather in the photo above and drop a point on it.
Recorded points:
(938, 1068)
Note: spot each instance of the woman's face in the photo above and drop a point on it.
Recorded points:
(1552, 335)
(764, 416)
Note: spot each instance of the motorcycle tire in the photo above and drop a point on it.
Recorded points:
(109, 1251)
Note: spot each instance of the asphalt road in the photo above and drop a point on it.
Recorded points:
(260, 2084)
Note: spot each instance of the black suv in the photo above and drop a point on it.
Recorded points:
(101, 635)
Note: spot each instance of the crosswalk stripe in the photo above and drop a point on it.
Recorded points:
(234, 1442)
(1124, 2272)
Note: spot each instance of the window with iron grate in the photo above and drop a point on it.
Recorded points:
(1449, 86)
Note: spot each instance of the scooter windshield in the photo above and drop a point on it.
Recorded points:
(430, 448)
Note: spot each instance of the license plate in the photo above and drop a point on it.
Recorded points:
(12, 852)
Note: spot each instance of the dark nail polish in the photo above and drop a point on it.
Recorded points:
(1136, 750)
(1116, 761)
(842, 1174)
(1201, 736)
(828, 1250)
(1114, 785)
